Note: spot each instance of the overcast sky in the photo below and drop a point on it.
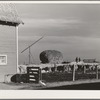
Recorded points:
(73, 29)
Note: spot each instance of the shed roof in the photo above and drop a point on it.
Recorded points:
(9, 15)
(89, 60)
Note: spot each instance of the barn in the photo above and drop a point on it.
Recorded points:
(9, 22)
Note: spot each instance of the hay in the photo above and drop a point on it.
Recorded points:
(51, 56)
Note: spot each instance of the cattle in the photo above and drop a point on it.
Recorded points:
(92, 67)
(80, 67)
(22, 69)
(98, 67)
(61, 68)
(53, 69)
(46, 69)
(71, 67)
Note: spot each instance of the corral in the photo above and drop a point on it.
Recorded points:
(64, 72)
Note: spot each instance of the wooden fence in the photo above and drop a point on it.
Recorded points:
(73, 71)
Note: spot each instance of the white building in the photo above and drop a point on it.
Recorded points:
(9, 21)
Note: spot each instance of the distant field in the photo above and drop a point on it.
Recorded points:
(65, 76)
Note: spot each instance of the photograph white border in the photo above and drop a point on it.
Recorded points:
(50, 94)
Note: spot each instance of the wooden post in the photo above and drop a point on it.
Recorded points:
(73, 72)
(84, 67)
(68, 68)
(49, 69)
(27, 74)
(55, 66)
(96, 72)
(40, 74)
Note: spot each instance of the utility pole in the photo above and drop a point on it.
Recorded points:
(29, 56)
(29, 47)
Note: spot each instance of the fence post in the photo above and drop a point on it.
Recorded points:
(49, 69)
(73, 72)
(96, 72)
(55, 66)
(27, 74)
(84, 67)
(40, 74)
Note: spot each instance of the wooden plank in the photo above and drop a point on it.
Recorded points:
(33, 67)
(33, 76)
(33, 71)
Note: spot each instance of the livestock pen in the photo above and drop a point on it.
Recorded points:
(63, 72)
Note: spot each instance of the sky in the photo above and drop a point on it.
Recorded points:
(72, 29)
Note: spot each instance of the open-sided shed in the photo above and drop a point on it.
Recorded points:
(9, 21)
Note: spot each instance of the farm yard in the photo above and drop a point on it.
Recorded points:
(45, 76)
(53, 64)
(57, 80)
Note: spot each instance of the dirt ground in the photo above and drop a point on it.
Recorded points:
(19, 86)
(33, 86)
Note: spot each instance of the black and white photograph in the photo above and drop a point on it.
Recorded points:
(49, 46)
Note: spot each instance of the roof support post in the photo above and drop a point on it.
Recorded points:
(16, 48)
